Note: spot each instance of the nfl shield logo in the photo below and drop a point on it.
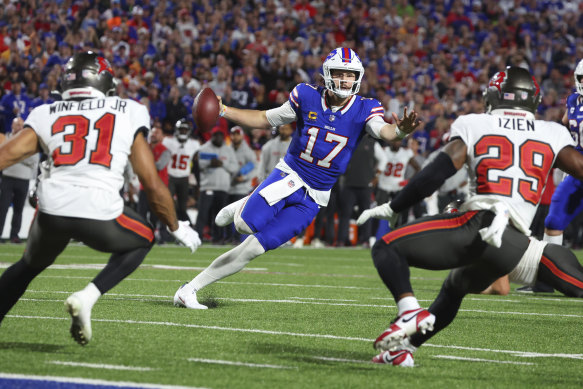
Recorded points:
(332, 118)
(291, 184)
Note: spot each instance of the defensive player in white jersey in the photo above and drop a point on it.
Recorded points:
(89, 138)
(392, 176)
(509, 155)
(331, 121)
(183, 148)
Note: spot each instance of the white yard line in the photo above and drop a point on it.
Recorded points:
(482, 360)
(100, 366)
(296, 300)
(6, 377)
(340, 360)
(305, 335)
(236, 363)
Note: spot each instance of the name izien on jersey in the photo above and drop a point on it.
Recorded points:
(87, 105)
(518, 124)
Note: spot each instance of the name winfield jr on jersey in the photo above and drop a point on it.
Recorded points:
(87, 105)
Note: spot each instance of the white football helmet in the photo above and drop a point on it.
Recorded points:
(579, 77)
(343, 58)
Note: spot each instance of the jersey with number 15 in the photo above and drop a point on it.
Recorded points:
(88, 143)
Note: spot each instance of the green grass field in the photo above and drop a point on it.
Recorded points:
(295, 318)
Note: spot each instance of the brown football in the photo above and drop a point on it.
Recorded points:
(205, 109)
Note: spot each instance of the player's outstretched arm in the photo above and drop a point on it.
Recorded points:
(19, 147)
(570, 161)
(251, 118)
(158, 194)
(402, 126)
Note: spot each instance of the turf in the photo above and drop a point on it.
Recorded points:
(294, 318)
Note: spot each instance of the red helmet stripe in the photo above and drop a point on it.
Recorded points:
(345, 54)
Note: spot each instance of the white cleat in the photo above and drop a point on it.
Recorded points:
(405, 325)
(81, 319)
(226, 215)
(186, 297)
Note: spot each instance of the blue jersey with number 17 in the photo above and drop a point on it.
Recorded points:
(324, 141)
(575, 116)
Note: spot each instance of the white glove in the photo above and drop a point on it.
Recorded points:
(380, 212)
(186, 236)
(493, 234)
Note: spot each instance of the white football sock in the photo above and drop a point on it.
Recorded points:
(90, 294)
(407, 304)
(228, 263)
(555, 239)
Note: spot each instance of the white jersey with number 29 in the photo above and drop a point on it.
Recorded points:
(510, 155)
(88, 143)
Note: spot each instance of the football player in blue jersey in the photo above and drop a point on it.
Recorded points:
(566, 201)
(331, 121)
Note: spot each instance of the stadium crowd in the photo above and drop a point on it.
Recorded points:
(433, 56)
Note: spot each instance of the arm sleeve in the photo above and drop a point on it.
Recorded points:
(424, 183)
(162, 162)
(283, 114)
(374, 125)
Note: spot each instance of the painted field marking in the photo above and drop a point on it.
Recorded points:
(305, 335)
(236, 363)
(295, 300)
(340, 359)
(100, 366)
(482, 360)
(7, 377)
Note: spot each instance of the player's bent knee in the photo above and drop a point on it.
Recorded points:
(380, 252)
(242, 227)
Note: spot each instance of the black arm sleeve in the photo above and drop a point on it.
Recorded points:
(424, 183)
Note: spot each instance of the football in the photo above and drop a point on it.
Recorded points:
(205, 109)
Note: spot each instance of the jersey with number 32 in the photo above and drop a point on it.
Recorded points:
(509, 157)
(88, 143)
(324, 141)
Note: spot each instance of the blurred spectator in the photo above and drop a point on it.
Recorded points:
(175, 109)
(356, 188)
(274, 150)
(14, 186)
(241, 182)
(217, 163)
(43, 97)
(162, 158)
(15, 104)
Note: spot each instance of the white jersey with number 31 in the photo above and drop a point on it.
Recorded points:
(88, 143)
(510, 155)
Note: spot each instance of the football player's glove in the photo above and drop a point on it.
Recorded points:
(380, 212)
(493, 234)
(186, 236)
